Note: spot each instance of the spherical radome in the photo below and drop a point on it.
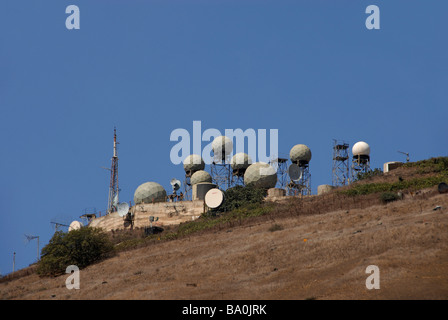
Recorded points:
(200, 176)
(149, 192)
(240, 161)
(260, 174)
(361, 149)
(222, 146)
(300, 153)
(194, 163)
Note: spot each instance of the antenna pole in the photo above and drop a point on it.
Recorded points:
(407, 155)
(113, 186)
(14, 262)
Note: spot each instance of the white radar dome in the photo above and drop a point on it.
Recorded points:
(193, 163)
(299, 154)
(149, 192)
(222, 146)
(240, 161)
(200, 177)
(260, 174)
(361, 149)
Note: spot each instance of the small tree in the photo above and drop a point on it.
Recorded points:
(80, 247)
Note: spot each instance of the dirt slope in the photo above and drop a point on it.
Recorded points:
(406, 239)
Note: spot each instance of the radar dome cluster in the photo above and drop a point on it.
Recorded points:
(149, 192)
(260, 174)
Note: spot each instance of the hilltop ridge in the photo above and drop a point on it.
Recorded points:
(317, 247)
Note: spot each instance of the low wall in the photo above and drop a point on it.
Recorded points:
(169, 213)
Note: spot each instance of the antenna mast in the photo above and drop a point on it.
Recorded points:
(407, 155)
(113, 187)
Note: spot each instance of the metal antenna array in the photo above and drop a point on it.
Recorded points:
(282, 171)
(220, 167)
(238, 177)
(407, 155)
(112, 201)
(57, 225)
(29, 238)
(221, 172)
(305, 180)
(341, 167)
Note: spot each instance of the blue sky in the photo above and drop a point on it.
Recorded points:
(310, 69)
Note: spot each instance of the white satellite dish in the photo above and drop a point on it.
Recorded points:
(75, 225)
(214, 198)
(175, 183)
(294, 172)
(123, 209)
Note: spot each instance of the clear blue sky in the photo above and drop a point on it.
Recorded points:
(310, 69)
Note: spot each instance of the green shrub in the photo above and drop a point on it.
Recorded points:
(78, 247)
(239, 196)
(410, 184)
(368, 174)
(388, 197)
(438, 164)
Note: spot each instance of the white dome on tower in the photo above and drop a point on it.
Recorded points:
(361, 149)
(300, 153)
(222, 146)
(240, 161)
(260, 174)
(193, 163)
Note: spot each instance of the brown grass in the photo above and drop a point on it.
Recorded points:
(320, 251)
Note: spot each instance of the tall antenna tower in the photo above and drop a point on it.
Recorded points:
(221, 172)
(282, 171)
(360, 160)
(112, 201)
(300, 155)
(341, 167)
(239, 163)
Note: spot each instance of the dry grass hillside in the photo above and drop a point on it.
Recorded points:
(317, 247)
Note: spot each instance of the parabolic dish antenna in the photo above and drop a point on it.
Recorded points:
(75, 225)
(295, 172)
(175, 183)
(123, 209)
(214, 198)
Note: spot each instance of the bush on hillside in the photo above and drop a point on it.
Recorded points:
(369, 174)
(389, 197)
(240, 196)
(78, 247)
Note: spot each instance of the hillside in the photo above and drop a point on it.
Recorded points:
(317, 247)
